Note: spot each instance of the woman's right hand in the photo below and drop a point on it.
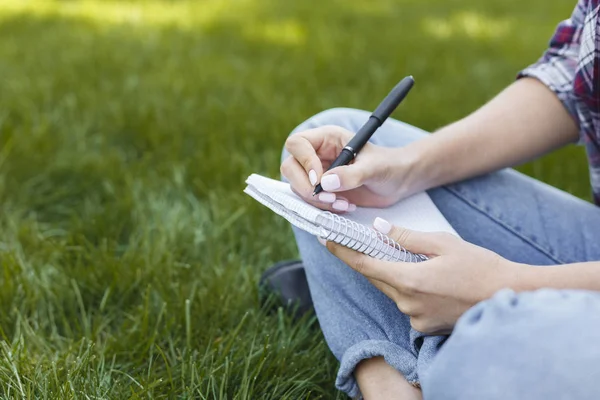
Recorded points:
(376, 178)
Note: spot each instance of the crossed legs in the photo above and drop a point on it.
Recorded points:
(513, 215)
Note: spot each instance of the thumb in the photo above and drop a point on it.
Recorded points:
(345, 177)
(427, 243)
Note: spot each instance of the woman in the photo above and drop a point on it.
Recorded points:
(387, 322)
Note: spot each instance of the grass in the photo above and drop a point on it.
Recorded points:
(129, 255)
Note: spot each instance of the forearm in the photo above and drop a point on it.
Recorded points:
(584, 276)
(524, 121)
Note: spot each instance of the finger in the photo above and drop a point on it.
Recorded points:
(330, 202)
(328, 140)
(323, 144)
(365, 198)
(427, 243)
(300, 185)
(297, 177)
(341, 204)
(386, 289)
(363, 264)
(305, 153)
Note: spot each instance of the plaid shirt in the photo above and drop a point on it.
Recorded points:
(570, 67)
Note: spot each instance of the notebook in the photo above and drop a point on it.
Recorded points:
(352, 229)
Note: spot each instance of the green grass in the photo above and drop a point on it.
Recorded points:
(129, 255)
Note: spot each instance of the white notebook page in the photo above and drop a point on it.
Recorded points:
(417, 212)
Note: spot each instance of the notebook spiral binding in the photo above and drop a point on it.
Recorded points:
(365, 240)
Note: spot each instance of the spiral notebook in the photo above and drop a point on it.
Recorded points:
(352, 229)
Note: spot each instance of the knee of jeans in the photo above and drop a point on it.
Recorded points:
(512, 338)
(339, 116)
(520, 307)
(519, 311)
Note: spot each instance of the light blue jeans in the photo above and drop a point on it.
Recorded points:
(536, 345)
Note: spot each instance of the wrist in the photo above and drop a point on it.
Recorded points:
(448, 155)
(435, 160)
(522, 277)
(411, 167)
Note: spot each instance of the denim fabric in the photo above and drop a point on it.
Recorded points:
(519, 218)
(528, 346)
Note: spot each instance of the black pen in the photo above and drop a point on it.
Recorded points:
(381, 113)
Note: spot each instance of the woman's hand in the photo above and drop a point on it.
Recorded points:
(376, 178)
(436, 292)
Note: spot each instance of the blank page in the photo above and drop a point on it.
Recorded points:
(417, 212)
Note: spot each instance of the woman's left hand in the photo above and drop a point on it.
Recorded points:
(436, 292)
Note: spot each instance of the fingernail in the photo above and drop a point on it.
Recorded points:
(351, 207)
(382, 225)
(312, 177)
(327, 197)
(340, 205)
(330, 182)
(322, 241)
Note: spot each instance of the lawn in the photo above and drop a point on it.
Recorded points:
(129, 254)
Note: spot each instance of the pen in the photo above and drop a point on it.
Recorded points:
(381, 113)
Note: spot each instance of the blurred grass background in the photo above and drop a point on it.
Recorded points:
(129, 255)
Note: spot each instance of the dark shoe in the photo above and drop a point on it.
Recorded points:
(287, 280)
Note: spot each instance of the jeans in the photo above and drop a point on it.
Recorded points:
(532, 345)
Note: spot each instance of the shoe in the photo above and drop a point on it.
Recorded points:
(287, 280)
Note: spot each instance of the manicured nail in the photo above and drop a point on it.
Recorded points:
(312, 177)
(327, 197)
(351, 207)
(340, 205)
(382, 225)
(330, 182)
(322, 241)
